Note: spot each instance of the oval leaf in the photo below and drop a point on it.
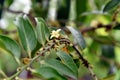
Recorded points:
(48, 73)
(68, 61)
(26, 33)
(78, 37)
(111, 4)
(61, 68)
(11, 46)
(42, 31)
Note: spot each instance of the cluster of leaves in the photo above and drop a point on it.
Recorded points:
(102, 40)
(32, 39)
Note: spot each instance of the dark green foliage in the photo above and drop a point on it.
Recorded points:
(110, 5)
(108, 51)
(81, 7)
(1, 5)
(117, 27)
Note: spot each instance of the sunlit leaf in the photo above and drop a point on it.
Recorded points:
(42, 31)
(49, 73)
(78, 37)
(26, 33)
(117, 76)
(68, 61)
(110, 5)
(61, 68)
(11, 46)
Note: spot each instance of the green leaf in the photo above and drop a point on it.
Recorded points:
(8, 2)
(111, 77)
(80, 10)
(61, 68)
(117, 76)
(8, 61)
(117, 27)
(68, 61)
(111, 4)
(42, 30)
(11, 46)
(1, 67)
(48, 73)
(26, 33)
(93, 48)
(103, 39)
(108, 51)
(78, 37)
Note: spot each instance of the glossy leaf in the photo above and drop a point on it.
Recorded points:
(49, 73)
(26, 33)
(78, 37)
(11, 46)
(42, 31)
(61, 68)
(68, 61)
(110, 5)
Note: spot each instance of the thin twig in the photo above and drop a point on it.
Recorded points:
(86, 63)
(13, 11)
(114, 16)
(3, 74)
(90, 28)
(4, 31)
(35, 58)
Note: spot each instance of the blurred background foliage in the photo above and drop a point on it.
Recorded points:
(97, 20)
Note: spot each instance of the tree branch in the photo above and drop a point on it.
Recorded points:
(85, 63)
